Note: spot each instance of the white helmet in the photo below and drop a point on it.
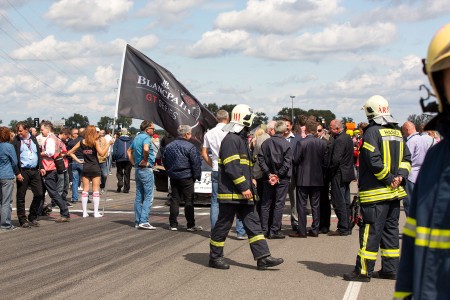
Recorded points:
(241, 116)
(377, 109)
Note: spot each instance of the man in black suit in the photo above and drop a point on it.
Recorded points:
(31, 170)
(341, 172)
(275, 160)
(308, 161)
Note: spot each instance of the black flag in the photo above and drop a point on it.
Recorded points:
(150, 92)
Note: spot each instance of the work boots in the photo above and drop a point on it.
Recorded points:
(267, 262)
(218, 263)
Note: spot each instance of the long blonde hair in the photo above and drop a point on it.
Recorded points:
(90, 136)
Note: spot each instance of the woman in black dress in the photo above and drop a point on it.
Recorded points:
(90, 146)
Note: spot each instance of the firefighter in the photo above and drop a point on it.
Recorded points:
(383, 169)
(424, 271)
(237, 193)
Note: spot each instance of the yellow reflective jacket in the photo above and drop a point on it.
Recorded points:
(383, 156)
(235, 169)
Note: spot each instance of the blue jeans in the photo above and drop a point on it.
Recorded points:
(77, 169)
(144, 194)
(6, 192)
(214, 211)
(104, 169)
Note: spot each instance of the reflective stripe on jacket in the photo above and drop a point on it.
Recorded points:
(235, 169)
(383, 156)
(424, 269)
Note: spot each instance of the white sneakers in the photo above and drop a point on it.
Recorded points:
(173, 228)
(146, 226)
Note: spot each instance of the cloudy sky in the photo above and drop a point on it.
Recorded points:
(63, 57)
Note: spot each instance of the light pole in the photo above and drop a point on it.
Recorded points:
(292, 110)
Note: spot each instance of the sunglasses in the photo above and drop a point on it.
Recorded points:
(319, 130)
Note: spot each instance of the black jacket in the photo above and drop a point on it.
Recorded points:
(383, 156)
(309, 161)
(275, 157)
(235, 169)
(17, 143)
(341, 159)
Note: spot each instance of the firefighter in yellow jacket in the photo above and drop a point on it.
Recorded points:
(236, 193)
(385, 162)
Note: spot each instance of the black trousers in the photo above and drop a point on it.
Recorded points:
(273, 196)
(303, 193)
(182, 190)
(325, 207)
(380, 232)
(51, 184)
(252, 226)
(340, 197)
(31, 178)
(123, 175)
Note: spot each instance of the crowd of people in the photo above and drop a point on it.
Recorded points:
(254, 174)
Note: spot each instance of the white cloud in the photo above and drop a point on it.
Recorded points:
(307, 46)
(408, 11)
(218, 42)
(278, 16)
(83, 15)
(86, 48)
(168, 12)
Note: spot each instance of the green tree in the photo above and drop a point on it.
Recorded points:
(346, 120)
(419, 120)
(30, 122)
(228, 108)
(286, 111)
(259, 119)
(326, 115)
(105, 123)
(12, 124)
(212, 107)
(123, 122)
(1, 121)
(133, 130)
(77, 121)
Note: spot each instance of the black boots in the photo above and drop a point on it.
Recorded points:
(218, 263)
(268, 261)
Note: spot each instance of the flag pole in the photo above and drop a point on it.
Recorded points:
(116, 112)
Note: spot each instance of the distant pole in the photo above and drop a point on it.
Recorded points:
(292, 110)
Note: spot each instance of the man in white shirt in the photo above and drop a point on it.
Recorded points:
(212, 141)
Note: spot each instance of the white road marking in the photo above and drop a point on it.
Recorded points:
(352, 290)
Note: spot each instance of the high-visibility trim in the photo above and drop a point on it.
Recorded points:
(231, 158)
(246, 162)
(432, 237)
(390, 132)
(217, 244)
(401, 295)
(392, 138)
(405, 165)
(239, 180)
(368, 146)
(256, 238)
(386, 164)
(231, 196)
(410, 227)
(367, 254)
(392, 253)
(379, 194)
(400, 156)
(363, 248)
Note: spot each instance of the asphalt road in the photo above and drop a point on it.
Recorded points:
(108, 258)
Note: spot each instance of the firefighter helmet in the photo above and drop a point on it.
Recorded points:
(241, 116)
(438, 59)
(377, 109)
